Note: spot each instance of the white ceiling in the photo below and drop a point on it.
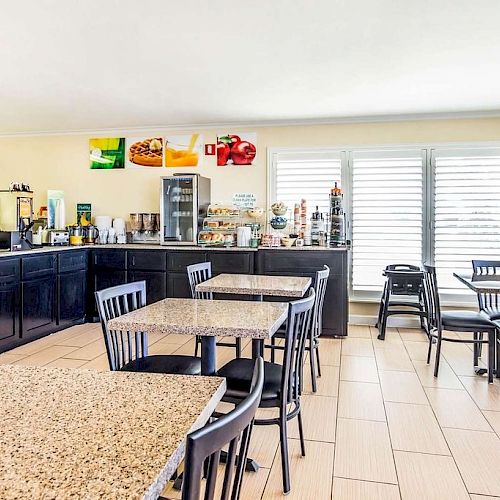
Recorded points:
(68, 65)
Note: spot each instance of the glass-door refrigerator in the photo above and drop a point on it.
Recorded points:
(183, 206)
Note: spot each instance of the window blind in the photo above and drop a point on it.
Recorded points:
(466, 211)
(387, 214)
(308, 175)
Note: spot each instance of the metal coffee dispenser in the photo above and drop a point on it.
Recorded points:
(16, 220)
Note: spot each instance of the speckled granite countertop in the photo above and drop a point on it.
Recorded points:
(255, 284)
(234, 318)
(170, 248)
(480, 283)
(83, 434)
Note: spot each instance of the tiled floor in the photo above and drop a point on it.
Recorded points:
(379, 427)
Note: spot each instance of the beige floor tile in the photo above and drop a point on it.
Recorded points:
(188, 348)
(360, 331)
(84, 338)
(100, 363)
(8, 358)
(42, 358)
(350, 489)
(36, 345)
(482, 497)
(326, 385)
(357, 347)
(304, 473)
(456, 409)
(264, 444)
(393, 359)
(361, 400)
(66, 363)
(418, 351)
(493, 417)
(402, 387)
(477, 455)
(162, 347)
(88, 352)
(329, 351)
(364, 451)
(358, 369)
(460, 358)
(391, 334)
(413, 335)
(429, 477)
(319, 416)
(486, 396)
(415, 428)
(446, 378)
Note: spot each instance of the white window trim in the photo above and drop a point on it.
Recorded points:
(454, 300)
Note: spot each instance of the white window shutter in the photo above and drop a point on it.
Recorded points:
(466, 188)
(387, 214)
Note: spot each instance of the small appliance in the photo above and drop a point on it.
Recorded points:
(16, 220)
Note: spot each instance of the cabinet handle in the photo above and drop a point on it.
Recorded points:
(133, 260)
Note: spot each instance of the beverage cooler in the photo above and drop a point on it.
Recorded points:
(183, 206)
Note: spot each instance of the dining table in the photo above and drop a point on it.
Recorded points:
(257, 286)
(73, 433)
(480, 283)
(207, 319)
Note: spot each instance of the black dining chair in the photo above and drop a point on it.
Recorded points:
(312, 345)
(403, 294)
(204, 446)
(456, 321)
(128, 351)
(198, 273)
(282, 382)
(488, 302)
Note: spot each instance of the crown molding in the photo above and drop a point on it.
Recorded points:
(262, 124)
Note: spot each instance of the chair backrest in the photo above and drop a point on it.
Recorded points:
(320, 284)
(232, 429)
(432, 298)
(488, 302)
(122, 347)
(198, 273)
(404, 279)
(297, 328)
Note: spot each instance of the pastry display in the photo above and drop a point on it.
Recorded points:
(223, 211)
(147, 153)
(221, 224)
(216, 239)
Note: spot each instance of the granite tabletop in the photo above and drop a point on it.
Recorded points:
(480, 283)
(232, 318)
(255, 284)
(83, 434)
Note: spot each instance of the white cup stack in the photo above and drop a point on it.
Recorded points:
(120, 231)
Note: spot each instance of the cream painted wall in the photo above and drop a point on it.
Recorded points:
(61, 162)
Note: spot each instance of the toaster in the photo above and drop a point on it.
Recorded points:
(56, 237)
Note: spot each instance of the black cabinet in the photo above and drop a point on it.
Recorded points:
(147, 260)
(39, 306)
(306, 263)
(178, 261)
(236, 262)
(9, 313)
(156, 284)
(72, 291)
(178, 286)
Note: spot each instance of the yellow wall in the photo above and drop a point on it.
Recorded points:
(61, 162)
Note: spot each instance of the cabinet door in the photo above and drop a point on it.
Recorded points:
(38, 266)
(144, 260)
(178, 286)
(72, 289)
(38, 310)
(72, 260)
(236, 262)
(156, 284)
(9, 313)
(178, 260)
(110, 258)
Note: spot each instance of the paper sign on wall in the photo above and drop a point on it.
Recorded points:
(244, 200)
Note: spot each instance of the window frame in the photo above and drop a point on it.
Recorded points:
(427, 148)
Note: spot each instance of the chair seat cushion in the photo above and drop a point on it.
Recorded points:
(239, 372)
(466, 320)
(492, 312)
(171, 363)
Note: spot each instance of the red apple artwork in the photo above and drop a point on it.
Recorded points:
(237, 149)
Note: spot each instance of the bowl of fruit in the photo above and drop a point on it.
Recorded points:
(279, 208)
(255, 213)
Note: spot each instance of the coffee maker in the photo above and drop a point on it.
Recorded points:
(16, 220)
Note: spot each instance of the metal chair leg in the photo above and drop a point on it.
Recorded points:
(317, 359)
(196, 346)
(301, 433)
(491, 356)
(312, 365)
(285, 467)
(438, 356)
(429, 351)
(476, 348)
(497, 342)
(238, 347)
(273, 342)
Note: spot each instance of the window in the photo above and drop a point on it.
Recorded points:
(387, 214)
(403, 205)
(466, 205)
(308, 175)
